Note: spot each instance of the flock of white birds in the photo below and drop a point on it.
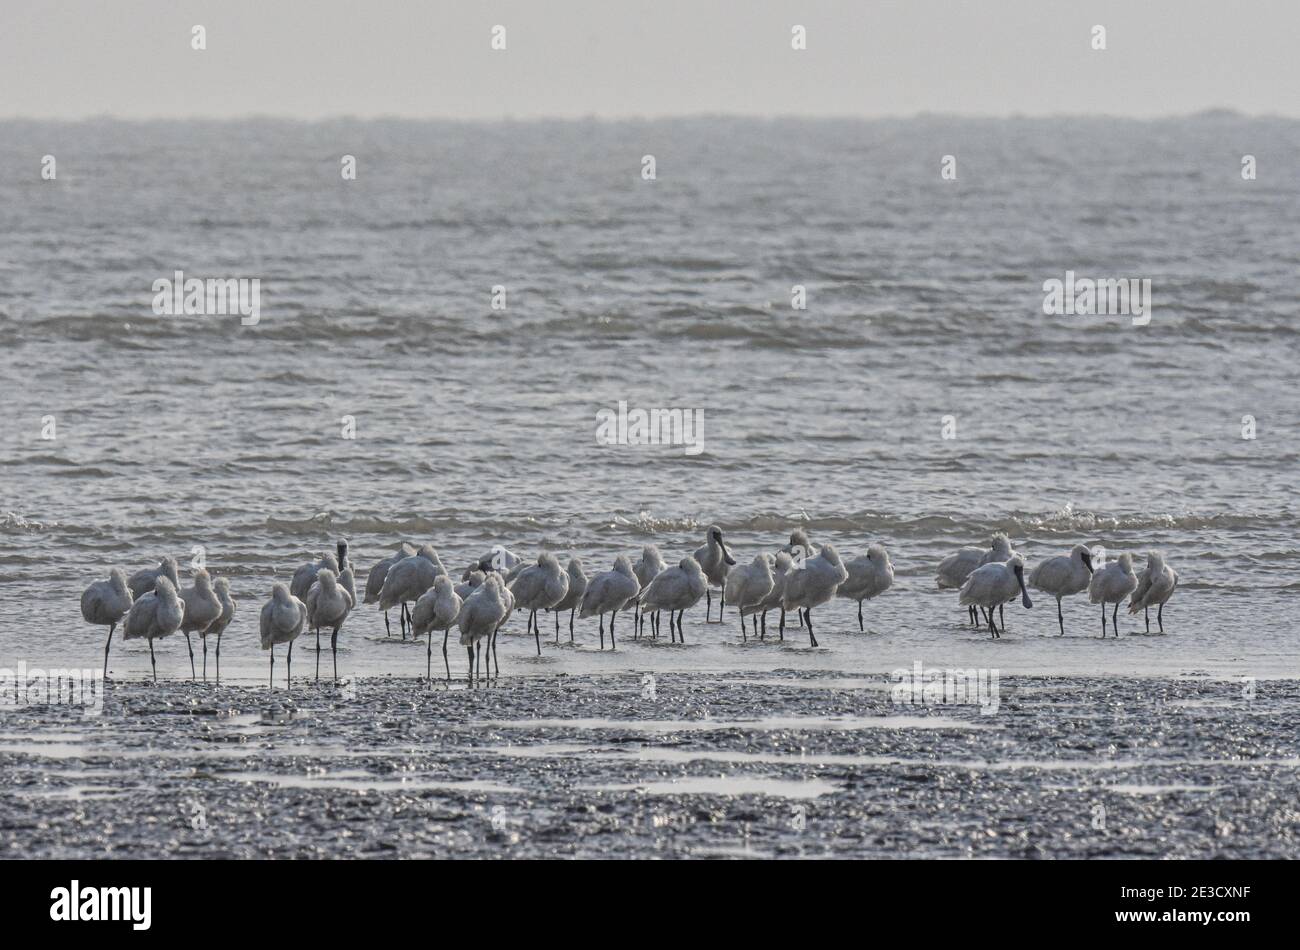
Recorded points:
(322, 594)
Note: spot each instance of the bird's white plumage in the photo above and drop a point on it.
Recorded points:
(283, 617)
(675, 588)
(107, 602)
(156, 614)
(202, 605)
(748, 584)
(611, 590)
(816, 582)
(1113, 582)
(868, 576)
(1155, 585)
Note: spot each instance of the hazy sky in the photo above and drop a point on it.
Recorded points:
(73, 58)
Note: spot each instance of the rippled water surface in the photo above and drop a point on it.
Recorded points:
(475, 426)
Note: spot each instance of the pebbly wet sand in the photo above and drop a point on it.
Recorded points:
(785, 764)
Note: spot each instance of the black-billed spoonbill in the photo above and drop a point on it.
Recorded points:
(202, 607)
(539, 587)
(141, 582)
(746, 587)
(1156, 585)
(814, 584)
(105, 603)
(609, 592)
(869, 576)
(283, 618)
(676, 590)
(1062, 576)
(715, 561)
(328, 605)
(573, 599)
(995, 584)
(1112, 584)
(154, 615)
(437, 609)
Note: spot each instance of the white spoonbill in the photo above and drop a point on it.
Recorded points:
(156, 614)
(1112, 584)
(676, 590)
(813, 585)
(218, 626)
(202, 607)
(869, 576)
(540, 587)
(956, 567)
(746, 587)
(1156, 585)
(283, 617)
(480, 616)
(799, 545)
(141, 582)
(328, 605)
(105, 603)
(781, 569)
(305, 575)
(1062, 576)
(375, 579)
(437, 609)
(475, 581)
(573, 599)
(646, 569)
(409, 578)
(715, 561)
(993, 585)
(609, 592)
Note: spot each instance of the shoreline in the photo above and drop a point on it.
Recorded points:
(659, 764)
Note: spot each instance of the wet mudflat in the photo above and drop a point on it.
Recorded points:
(786, 764)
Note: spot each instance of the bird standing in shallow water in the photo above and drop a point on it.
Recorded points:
(1062, 576)
(747, 586)
(437, 609)
(813, 585)
(646, 569)
(869, 576)
(218, 626)
(1112, 584)
(715, 561)
(1156, 585)
(676, 590)
(375, 580)
(328, 605)
(573, 598)
(283, 618)
(155, 615)
(481, 616)
(105, 603)
(202, 607)
(993, 585)
(609, 592)
(539, 587)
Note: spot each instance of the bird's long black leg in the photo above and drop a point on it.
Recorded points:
(612, 618)
(334, 649)
(154, 663)
(861, 628)
(1103, 620)
(446, 662)
(205, 659)
(1002, 617)
(218, 659)
(781, 628)
(470, 650)
(190, 646)
(1160, 617)
(288, 669)
(388, 629)
(1114, 619)
(572, 611)
(708, 605)
(107, 644)
(1060, 617)
(537, 633)
(602, 631)
(808, 616)
(763, 635)
(1146, 614)
(318, 654)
